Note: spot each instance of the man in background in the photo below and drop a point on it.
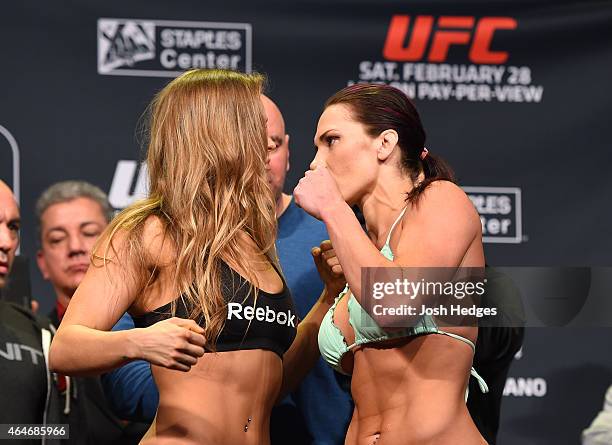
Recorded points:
(27, 395)
(10, 222)
(71, 215)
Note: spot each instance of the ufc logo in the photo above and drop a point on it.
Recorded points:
(450, 30)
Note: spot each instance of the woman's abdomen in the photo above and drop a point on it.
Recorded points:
(412, 392)
(226, 398)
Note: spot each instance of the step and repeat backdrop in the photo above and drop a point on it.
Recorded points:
(515, 95)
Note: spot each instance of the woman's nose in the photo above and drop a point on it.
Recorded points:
(318, 160)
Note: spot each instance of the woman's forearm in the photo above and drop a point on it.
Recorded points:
(304, 351)
(351, 244)
(78, 350)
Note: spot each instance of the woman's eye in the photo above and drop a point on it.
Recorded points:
(331, 139)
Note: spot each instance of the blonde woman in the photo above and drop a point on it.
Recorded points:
(195, 265)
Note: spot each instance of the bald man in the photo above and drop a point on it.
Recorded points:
(9, 231)
(278, 154)
(24, 375)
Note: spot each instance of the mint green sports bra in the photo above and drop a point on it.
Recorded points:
(332, 343)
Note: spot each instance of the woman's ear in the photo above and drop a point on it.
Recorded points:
(388, 141)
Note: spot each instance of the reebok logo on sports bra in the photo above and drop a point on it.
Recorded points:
(274, 314)
(260, 314)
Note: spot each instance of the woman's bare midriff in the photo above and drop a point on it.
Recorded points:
(412, 393)
(225, 399)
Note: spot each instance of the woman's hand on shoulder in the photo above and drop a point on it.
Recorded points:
(329, 268)
(175, 343)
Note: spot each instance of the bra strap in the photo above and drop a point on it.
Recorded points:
(460, 338)
(394, 224)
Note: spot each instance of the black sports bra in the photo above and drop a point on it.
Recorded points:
(271, 324)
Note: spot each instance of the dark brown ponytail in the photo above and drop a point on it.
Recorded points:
(434, 168)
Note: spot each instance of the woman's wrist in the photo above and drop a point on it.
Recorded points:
(131, 342)
(332, 210)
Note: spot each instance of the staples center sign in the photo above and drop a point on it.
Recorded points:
(165, 48)
(500, 212)
(416, 52)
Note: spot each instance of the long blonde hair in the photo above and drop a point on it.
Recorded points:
(206, 159)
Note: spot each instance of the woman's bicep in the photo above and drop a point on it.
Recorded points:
(100, 300)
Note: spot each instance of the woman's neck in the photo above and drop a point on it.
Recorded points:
(382, 206)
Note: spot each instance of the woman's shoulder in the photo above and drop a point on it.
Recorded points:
(148, 240)
(156, 241)
(444, 188)
(153, 228)
(446, 194)
(445, 201)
